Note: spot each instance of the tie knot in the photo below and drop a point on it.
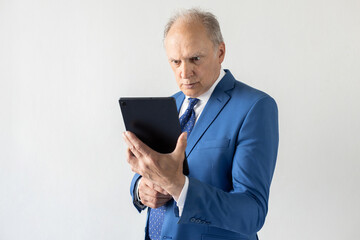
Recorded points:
(192, 102)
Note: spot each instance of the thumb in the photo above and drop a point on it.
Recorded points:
(181, 143)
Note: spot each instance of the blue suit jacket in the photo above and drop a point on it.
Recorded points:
(231, 154)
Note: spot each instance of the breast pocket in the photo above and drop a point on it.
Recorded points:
(214, 143)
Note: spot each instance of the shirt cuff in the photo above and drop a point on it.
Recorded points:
(137, 197)
(181, 200)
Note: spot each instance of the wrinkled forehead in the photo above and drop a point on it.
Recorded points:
(178, 48)
(189, 39)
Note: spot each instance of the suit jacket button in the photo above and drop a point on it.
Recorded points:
(192, 220)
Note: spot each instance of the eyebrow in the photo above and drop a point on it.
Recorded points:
(197, 54)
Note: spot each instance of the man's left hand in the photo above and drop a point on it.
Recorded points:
(164, 170)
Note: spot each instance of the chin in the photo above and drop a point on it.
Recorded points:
(188, 92)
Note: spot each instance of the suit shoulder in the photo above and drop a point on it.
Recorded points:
(176, 95)
(249, 94)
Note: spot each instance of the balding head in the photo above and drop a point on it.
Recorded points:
(193, 16)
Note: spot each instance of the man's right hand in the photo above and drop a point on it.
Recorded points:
(152, 195)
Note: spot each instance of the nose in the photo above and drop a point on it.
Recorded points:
(186, 70)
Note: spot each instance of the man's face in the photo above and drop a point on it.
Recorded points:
(193, 58)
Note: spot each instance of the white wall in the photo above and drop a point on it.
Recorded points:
(64, 64)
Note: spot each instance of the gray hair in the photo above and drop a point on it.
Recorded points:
(208, 20)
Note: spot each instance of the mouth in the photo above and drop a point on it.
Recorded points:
(189, 85)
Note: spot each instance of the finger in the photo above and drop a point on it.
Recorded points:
(131, 146)
(147, 193)
(132, 160)
(152, 189)
(153, 205)
(130, 155)
(181, 143)
(154, 202)
(129, 152)
(151, 198)
(161, 202)
(155, 186)
(141, 147)
(147, 182)
(161, 190)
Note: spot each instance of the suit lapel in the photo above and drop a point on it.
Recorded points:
(216, 103)
(179, 98)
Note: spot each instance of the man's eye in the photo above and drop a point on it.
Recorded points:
(195, 59)
(177, 62)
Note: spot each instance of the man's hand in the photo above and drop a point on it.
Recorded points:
(164, 170)
(152, 195)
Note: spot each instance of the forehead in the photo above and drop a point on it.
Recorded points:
(187, 38)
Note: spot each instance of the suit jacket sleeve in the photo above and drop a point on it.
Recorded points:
(243, 209)
(138, 205)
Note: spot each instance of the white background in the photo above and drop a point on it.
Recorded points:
(64, 64)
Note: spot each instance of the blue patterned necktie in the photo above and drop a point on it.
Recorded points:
(156, 218)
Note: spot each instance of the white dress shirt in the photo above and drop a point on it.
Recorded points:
(198, 108)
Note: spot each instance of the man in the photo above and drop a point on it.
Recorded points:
(230, 139)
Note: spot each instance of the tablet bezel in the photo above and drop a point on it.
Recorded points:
(154, 120)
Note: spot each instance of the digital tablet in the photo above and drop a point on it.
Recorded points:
(155, 121)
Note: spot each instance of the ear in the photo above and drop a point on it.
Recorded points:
(221, 52)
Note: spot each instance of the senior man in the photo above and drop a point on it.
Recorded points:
(230, 138)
